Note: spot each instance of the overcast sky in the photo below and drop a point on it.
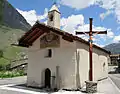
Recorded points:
(75, 15)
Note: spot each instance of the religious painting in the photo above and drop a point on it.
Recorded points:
(50, 40)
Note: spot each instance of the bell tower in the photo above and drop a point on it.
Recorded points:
(54, 17)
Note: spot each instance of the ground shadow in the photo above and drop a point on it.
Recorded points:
(36, 89)
(43, 90)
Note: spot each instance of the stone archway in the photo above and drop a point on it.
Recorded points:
(47, 78)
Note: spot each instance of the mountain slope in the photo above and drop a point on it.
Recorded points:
(7, 52)
(12, 26)
(9, 16)
(114, 48)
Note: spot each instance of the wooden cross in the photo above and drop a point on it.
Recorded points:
(90, 32)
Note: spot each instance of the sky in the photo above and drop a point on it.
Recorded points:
(75, 16)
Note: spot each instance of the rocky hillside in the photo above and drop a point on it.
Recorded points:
(9, 16)
(114, 48)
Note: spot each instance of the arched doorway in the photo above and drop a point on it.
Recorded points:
(47, 78)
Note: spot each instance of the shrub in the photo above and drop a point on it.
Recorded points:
(10, 74)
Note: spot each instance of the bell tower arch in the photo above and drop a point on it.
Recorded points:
(54, 17)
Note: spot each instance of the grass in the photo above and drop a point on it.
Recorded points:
(4, 62)
(12, 52)
(7, 37)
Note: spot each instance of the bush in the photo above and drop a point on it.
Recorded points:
(10, 74)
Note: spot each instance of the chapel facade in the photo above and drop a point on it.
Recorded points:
(57, 59)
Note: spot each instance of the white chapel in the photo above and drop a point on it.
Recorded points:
(58, 59)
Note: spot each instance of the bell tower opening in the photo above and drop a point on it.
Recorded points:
(51, 17)
(54, 17)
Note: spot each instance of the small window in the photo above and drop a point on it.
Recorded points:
(51, 17)
(49, 53)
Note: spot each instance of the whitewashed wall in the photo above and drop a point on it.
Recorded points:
(64, 57)
(99, 58)
(83, 50)
(100, 64)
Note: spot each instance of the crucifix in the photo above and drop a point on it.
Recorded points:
(90, 32)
